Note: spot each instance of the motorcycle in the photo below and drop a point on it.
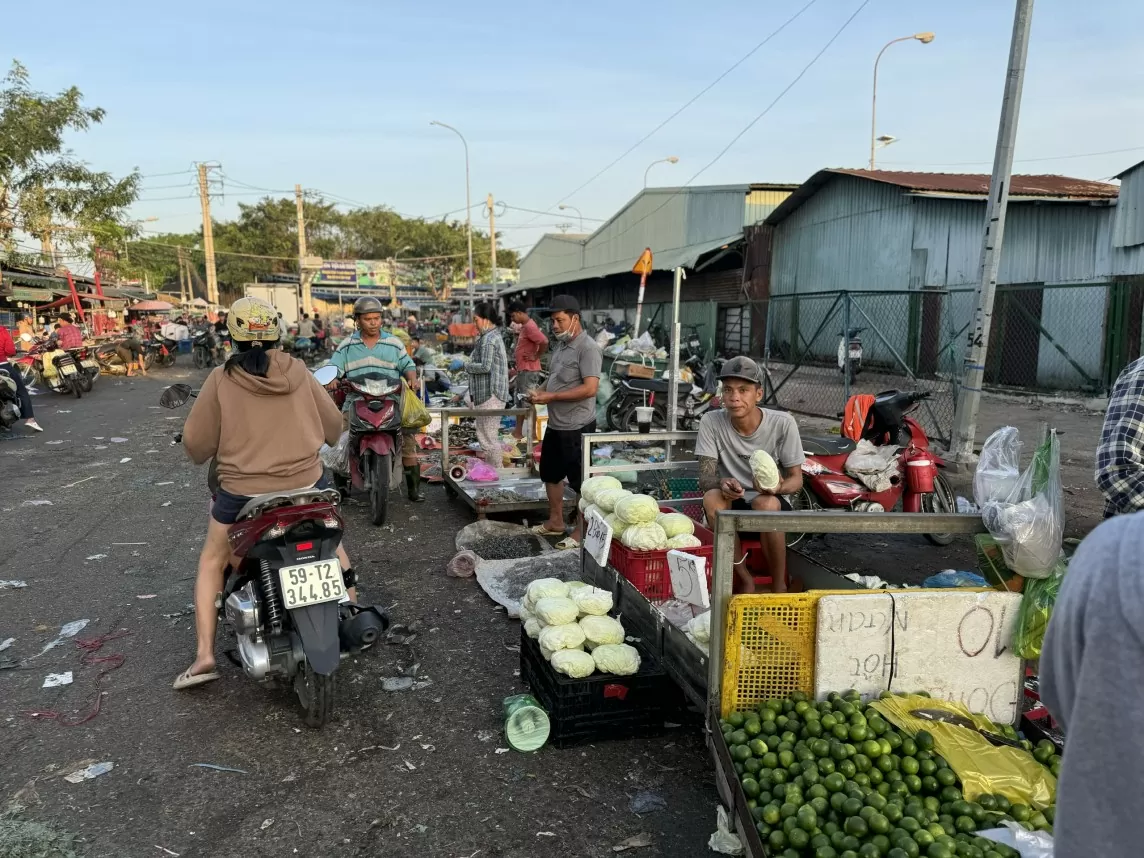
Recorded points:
(695, 400)
(67, 377)
(918, 485)
(9, 400)
(375, 428)
(850, 345)
(285, 600)
(159, 350)
(205, 349)
(89, 366)
(305, 349)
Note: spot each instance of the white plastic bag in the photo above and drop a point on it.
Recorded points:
(1031, 844)
(874, 467)
(337, 458)
(999, 466)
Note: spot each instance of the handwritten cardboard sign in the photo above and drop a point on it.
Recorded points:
(689, 578)
(955, 645)
(597, 538)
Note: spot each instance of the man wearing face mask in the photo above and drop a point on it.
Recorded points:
(574, 376)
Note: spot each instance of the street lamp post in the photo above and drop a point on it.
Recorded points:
(671, 159)
(563, 207)
(468, 207)
(925, 39)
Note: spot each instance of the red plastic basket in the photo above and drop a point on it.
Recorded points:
(647, 570)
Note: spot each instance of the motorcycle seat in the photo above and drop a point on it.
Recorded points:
(655, 385)
(830, 446)
(292, 497)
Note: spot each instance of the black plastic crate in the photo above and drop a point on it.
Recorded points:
(600, 706)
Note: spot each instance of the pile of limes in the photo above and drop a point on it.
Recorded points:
(837, 780)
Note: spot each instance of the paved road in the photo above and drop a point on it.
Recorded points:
(410, 774)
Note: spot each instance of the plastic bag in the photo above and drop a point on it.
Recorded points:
(1036, 608)
(953, 578)
(1029, 524)
(981, 767)
(874, 467)
(999, 466)
(481, 472)
(463, 565)
(337, 458)
(414, 414)
(1031, 844)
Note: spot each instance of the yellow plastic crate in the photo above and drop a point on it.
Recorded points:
(770, 646)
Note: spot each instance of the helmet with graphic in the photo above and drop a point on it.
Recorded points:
(366, 304)
(252, 320)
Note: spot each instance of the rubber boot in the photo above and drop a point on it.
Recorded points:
(413, 483)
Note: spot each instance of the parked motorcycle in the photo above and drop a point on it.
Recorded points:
(850, 342)
(286, 599)
(918, 485)
(67, 376)
(375, 429)
(9, 399)
(88, 365)
(695, 400)
(159, 350)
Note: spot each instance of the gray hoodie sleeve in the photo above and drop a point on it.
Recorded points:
(1092, 681)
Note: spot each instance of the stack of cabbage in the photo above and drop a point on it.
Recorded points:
(568, 618)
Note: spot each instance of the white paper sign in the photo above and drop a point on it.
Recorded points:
(597, 538)
(689, 578)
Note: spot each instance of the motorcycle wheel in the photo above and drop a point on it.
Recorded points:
(199, 357)
(379, 488)
(148, 360)
(316, 694)
(76, 385)
(167, 360)
(615, 412)
(28, 372)
(801, 501)
(940, 500)
(84, 381)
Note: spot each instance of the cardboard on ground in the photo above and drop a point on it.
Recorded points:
(957, 645)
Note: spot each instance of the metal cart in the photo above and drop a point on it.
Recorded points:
(517, 479)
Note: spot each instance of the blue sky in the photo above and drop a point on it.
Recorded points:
(338, 95)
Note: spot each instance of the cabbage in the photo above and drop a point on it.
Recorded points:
(544, 588)
(532, 628)
(583, 503)
(567, 636)
(765, 471)
(601, 630)
(675, 523)
(700, 627)
(644, 537)
(574, 663)
(684, 540)
(526, 614)
(576, 585)
(593, 485)
(593, 601)
(556, 611)
(637, 509)
(592, 508)
(618, 527)
(619, 659)
(606, 500)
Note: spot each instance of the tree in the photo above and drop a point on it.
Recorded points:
(45, 190)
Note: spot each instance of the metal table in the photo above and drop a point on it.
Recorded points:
(517, 478)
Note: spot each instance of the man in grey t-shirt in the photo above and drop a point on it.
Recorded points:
(727, 438)
(573, 379)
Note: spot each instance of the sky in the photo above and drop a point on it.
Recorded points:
(338, 96)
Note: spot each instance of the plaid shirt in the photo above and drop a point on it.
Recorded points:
(488, 369)
(1120, 456)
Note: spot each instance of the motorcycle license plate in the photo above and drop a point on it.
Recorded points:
(90, 364)
(311, 584)
(68, 369)
(694, 344)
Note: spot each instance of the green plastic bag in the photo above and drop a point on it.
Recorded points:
(1036, 608)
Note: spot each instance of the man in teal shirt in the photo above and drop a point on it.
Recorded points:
(369, 350)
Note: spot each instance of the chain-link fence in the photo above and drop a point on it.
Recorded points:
(1056, 338)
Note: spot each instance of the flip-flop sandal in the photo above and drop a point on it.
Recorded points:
(541, 530)
(186, 679)
(567, 544)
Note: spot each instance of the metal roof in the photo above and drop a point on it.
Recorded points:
(968, 185)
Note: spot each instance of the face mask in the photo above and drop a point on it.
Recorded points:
(565, 336)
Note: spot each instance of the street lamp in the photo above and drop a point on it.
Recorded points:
(670, 159)
(468, 205)
(563, 207)
(925, 39)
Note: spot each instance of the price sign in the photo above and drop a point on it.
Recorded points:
(689, 578)
(597, 538)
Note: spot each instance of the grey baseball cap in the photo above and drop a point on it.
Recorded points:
(744, 368)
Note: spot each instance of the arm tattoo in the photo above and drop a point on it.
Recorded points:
(708, 473)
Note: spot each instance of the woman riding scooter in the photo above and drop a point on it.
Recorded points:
(262, 417)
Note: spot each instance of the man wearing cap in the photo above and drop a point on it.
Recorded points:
(573, 378)
(726, 440)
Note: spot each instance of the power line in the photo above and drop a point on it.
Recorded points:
(686, 105)
(539, 212)
(158, 175)
(747, 127)
(1016, 160)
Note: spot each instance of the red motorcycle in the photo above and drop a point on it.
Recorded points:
(918, 485)
(285, 599)
(375, 434)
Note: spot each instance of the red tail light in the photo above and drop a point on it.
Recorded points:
(304, 546)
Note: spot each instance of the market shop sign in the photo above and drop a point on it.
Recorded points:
(25, 293)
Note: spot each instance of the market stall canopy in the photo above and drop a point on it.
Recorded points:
(199, 302)
(152, 307)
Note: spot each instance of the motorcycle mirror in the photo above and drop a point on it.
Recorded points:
(175, 395)
(326, 374)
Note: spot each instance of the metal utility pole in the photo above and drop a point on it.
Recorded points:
(208, 235)
(969, 397)
(468, 212)
(303, 280)
(490, 202)
(925, 39)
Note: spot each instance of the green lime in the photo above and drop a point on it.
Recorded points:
(758, 747)
(879, 824)
(777, 840)
(738, 737)
(788, 810)
(858, 732)
(924, 740)
(753, 726)
(930, 785)
(1020, 812)
(826, 851)
(826, 766)
(798, 839)
(939, 850)
(946, 777)
(909, 747)
(885, 763)
(769, 728)
(878, 726)
(840, 731)
(807, 818)
(817, 791)
(869, 850)
(834, 782)
(736, 719)
(965, 824)
(813, 728)
(740, 753)
(923, 838)
(856, 826)
(909, 766)
(750, 786)
(852, 806)
(828, 720)
(821, 805)
(950, 793)
(786, 759)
